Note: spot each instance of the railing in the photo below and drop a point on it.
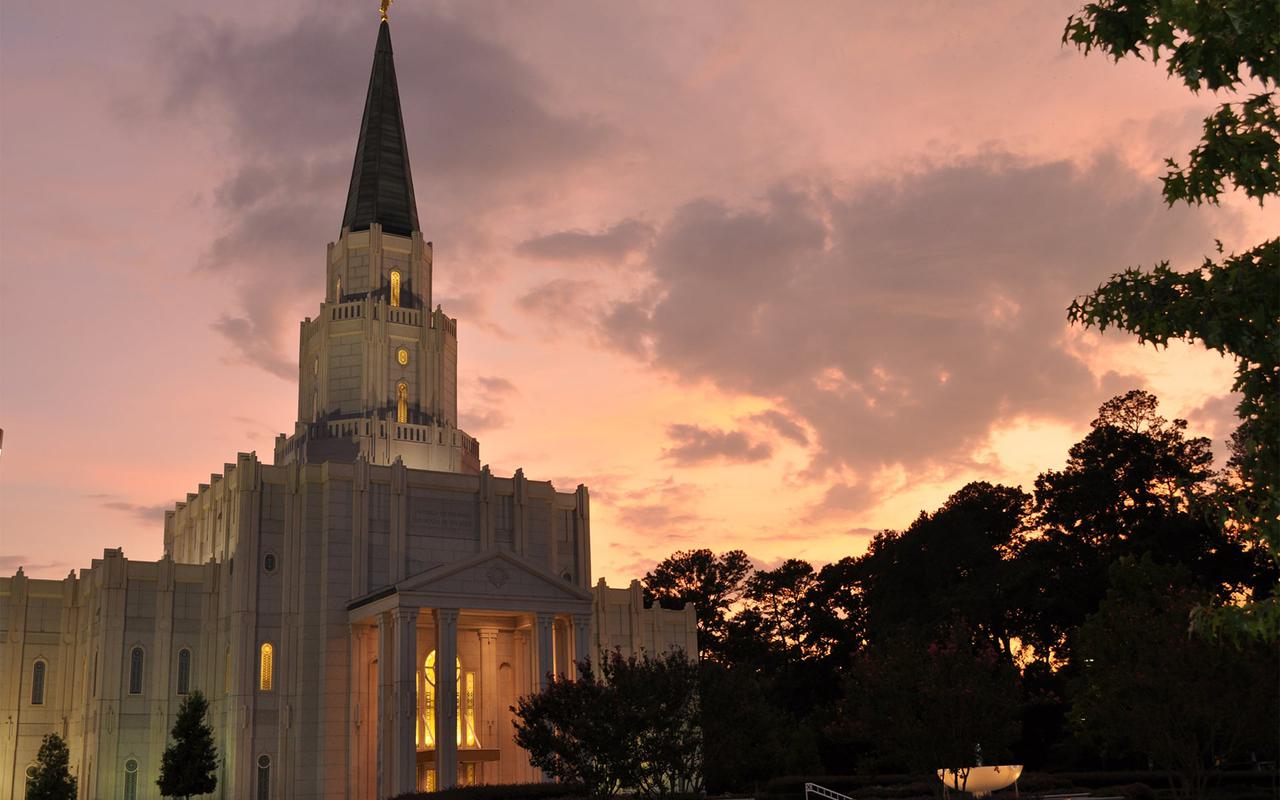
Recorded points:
(347, 310)
(404, 316)
(822, 791)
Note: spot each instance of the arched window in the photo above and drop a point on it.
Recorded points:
(135, 671)
(131, 780)
(466, 720)
(402, 402)
(337, 289)
(395, 288)
(184, 671)
(37, 683)
(269, 562)
(266, 667)
(264, 777)
(226, 672)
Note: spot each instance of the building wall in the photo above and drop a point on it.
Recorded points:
(334, 532)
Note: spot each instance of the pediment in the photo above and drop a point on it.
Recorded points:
(494, 579)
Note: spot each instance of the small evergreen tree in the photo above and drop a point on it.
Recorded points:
(190, 760)
(52, 779)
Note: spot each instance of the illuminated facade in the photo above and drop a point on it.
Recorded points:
(362, 612)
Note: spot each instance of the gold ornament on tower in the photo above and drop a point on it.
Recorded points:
(386, 4)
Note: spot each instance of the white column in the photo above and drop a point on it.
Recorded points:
(546, 643)
(405, 622)
(489, 698)
(386, 705)
(446, 697)
(581, 639)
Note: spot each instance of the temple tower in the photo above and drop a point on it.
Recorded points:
(378, 368)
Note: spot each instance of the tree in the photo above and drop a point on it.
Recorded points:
(946, 566)
(748, 737)
(1232, 306)
(1146, 687)
(925, 705)
(1135, 484)
(52, 779)
(634, 726)
(778, 597)
(190, 762)
(712, 583)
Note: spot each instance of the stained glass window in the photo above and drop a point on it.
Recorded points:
(135, 671)
(37, 684)
(266, 667)
(264, 777)
(184, 671)
(395, 288)
(402, 402)
(131, 780)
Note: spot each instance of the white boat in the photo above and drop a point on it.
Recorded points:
(980, 781)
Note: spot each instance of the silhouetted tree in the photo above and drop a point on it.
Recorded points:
(1147, 687)
(190, 762)
(713, 583)
(924, 705)
(52, 779)
(748, 737)
(1135, 484)
(633, 726)
(949, 565)
(1230, 306)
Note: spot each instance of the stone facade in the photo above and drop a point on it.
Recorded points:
(317, 601)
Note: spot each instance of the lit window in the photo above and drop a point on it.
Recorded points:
(402, 402)
(264, 777)
(184, 671)
(337, 289)
(37, 684)
(131, 780)
(135, 671)
(266, 664)
(395, 287)
(466, 703)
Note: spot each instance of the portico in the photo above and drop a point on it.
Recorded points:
(503, 624)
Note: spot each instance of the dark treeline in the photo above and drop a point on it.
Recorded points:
(1050, 628)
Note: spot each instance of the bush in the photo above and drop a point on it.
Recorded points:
(511, 791)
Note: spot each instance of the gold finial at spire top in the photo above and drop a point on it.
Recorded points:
(386, 4)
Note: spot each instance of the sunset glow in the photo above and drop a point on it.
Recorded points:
(762, 275)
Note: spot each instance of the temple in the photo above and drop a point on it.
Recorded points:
(362, 612)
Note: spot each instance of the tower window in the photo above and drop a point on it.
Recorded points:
(269, 562)
(184, 671)
(395, 287)
(264, 777)
(131, 780)
(37, 683)
(337, 289)
(266, 668)
(135, 671)
(402, 402)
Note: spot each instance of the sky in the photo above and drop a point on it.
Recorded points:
(763, 275)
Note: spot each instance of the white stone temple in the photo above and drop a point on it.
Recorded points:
(363, 612)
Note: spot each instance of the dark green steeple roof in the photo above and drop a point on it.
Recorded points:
(381, 183)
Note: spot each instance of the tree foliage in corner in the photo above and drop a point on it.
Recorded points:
(634, 726)
(190, 761)
(1231, 305)
(52, 779)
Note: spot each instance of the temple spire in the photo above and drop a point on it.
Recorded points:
(381, 183)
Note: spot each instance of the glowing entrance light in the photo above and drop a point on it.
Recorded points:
(465, 730)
